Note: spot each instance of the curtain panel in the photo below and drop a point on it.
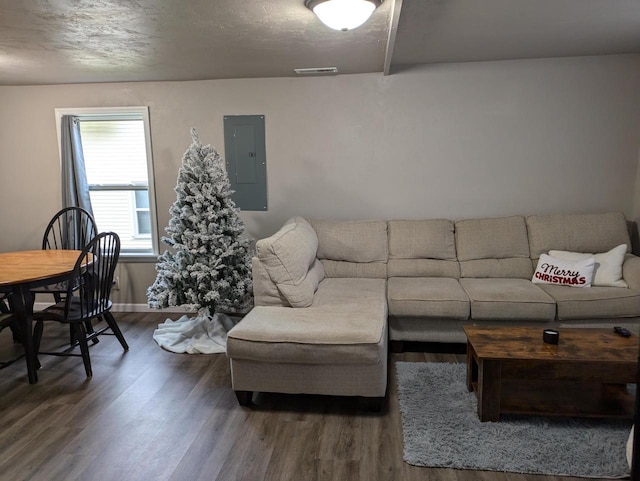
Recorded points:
(75, 189)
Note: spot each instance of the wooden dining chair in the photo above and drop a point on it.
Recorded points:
(91, 300)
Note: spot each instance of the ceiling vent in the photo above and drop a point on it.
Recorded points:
(316, 71)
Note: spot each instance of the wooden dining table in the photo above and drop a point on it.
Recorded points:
(22, 271)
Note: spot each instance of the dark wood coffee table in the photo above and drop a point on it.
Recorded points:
(513, 371)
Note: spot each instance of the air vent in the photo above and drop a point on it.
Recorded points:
(316, 71)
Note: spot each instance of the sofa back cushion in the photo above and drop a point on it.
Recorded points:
(422, 248)
(352, 248)
(592, 233)
(289, 259)
(493, 247)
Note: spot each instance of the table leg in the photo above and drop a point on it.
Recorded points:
(489, 382)
(23, 308)
(472, 368)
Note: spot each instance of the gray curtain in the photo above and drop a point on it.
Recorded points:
(75, 190)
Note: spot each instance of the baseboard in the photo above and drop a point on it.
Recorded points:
(146, 308)
(38, 306)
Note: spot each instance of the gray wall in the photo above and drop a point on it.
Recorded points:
(448, 140)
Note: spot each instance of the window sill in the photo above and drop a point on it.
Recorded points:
(138, 258)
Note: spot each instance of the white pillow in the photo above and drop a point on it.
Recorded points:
(551, 270)
(608, 268)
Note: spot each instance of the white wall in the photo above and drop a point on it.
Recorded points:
(449, 140)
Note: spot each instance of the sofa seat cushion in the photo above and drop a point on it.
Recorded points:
(313, 335)
(508, 299)
(346, 325)
(594, 302)
(434, 297)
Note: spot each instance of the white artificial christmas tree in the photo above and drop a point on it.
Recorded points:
(208, 266)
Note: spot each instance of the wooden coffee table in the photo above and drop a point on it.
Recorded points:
(513, 371)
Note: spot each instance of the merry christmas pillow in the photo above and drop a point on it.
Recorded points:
(560, 272)
(608, 268)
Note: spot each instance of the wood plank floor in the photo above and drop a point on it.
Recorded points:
(152, 415)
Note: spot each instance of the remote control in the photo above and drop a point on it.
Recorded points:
(622, 331)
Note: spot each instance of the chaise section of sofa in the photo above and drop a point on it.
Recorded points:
(315, 331)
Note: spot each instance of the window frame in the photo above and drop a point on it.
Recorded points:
(124, 113)
(136, 219)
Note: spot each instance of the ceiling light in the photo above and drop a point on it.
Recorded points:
(343, 14)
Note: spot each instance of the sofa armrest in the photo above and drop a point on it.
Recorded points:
(631, 271)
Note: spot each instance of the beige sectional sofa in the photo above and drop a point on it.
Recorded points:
(329, 294)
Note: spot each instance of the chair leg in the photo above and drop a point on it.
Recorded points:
(81, 335)
(37, 335)
(116, 329)
(15, 333)
(16, 336)
(89, 327)
(37, 339)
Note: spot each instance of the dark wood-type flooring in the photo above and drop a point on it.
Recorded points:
(152, 415)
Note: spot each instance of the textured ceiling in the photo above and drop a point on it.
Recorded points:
(115, 40)
(76, 41)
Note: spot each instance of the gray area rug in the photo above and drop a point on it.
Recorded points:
(441, 428)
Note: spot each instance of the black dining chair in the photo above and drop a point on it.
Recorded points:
(91, 300)
(6, 313)
(7, 320)
(70, 228)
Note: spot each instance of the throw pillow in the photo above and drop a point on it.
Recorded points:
(608, 268)
(564, 273)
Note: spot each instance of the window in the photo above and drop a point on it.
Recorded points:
(117, 154)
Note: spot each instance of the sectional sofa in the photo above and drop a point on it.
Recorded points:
(330, 294)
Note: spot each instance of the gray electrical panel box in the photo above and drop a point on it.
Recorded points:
(246, 157)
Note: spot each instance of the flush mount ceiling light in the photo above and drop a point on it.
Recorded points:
(343, 14)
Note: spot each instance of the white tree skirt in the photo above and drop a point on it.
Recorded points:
(203, 334)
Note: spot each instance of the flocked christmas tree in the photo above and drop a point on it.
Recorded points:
(208, 266)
